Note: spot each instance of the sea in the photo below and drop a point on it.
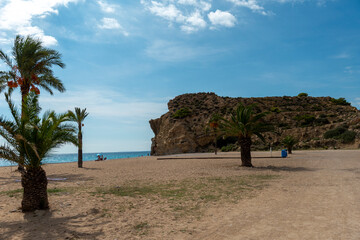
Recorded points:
(73, 157)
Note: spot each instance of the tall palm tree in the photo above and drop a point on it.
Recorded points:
(29, 140)
(243, 124)
(214, 124)
(79, 116)
(31, 67)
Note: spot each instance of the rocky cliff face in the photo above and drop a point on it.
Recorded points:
(183, 128)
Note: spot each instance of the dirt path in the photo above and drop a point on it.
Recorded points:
(319, 198)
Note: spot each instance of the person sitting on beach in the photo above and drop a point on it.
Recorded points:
(100, 158)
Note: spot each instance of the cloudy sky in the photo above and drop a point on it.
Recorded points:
(126, 59)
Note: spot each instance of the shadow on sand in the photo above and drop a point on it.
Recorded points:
(42, 225)
(286, 169)
(70, 177)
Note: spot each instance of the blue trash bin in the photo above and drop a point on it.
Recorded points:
(284, 153)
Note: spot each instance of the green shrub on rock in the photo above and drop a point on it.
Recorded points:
(181, 113)
(333, 133)
(303, 94)
(340, 101)
(321, 121)
(341, 133)
(275, 109)
(347, 137)
(306, 119)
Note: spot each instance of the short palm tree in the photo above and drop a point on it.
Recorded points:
(29, 140)
(243, 124)
(289, 142)
(79, 116)
(31, 67)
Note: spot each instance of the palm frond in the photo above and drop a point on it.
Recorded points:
(243, 123)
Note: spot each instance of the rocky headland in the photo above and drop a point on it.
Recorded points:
(316, 122)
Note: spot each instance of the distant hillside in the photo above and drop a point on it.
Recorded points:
(183, 128)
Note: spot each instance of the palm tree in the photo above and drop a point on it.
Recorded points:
(289, 142)
(214, 124)
(29, 140)
(31, 67)
(79, 116)
(243, 124)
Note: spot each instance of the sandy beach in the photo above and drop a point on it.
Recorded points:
(309, 195)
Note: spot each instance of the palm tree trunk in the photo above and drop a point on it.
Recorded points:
(24, 93)
(245, 149)
(35, 197)
(290, 150)
(80, 157)
(215, 143)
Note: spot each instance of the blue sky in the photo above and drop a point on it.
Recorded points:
(126, 59)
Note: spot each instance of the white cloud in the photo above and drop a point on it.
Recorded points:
(342, 56)
(17, 16)
(109, 23)
(251, 4)
(220, 18)
(190, 20)
(194, 22)
(320, 3)
(349, 70)
(169, 12)
(166, 51)
(203, 5)
(352, 70)
(105, 7)
(112, 23)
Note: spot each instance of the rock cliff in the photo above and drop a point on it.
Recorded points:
(183, 129)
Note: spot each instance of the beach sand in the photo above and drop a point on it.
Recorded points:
(309, 195)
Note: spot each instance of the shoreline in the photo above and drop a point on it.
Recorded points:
(126, 155)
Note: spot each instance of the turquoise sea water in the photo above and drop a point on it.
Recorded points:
(72, 157)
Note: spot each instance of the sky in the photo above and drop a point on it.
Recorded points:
(126, 59)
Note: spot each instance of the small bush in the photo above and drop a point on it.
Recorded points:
(229, 148)
(316, 108)
(303, 94)
(283, 125)
(306, 119)
(182, 113)
(333, 133)
(340, 101)
(341, 133)
(347, 137)
(321, 121)
(275, 109)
